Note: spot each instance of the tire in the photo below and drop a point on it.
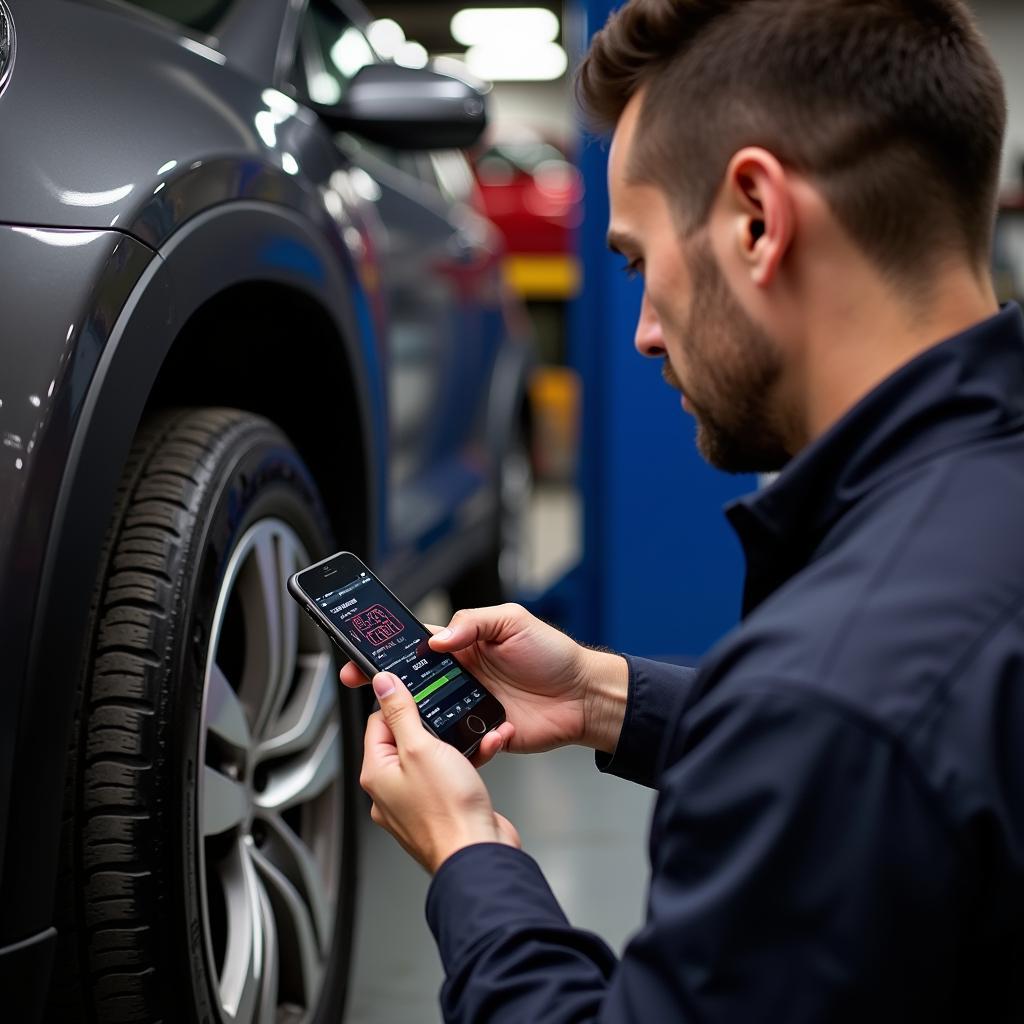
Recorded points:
(209, 860)
(500, 575)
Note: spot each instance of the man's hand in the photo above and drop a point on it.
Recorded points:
(425, 793)
(555, 692)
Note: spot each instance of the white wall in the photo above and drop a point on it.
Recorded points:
(546, 106)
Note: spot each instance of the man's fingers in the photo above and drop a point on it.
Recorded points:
(351, 675)
(508, 832)
(378, 741)
(470, 625)
(399, 710)
(379, 749)
(493, 743)
(377, 731)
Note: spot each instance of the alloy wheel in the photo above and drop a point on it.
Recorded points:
(269, 812)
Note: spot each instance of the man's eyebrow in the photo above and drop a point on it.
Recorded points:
(620, 242)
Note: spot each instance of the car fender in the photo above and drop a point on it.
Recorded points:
(228, 244)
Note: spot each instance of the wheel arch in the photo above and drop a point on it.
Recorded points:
(271, 349)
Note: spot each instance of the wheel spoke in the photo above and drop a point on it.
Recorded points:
(224, 802)
(287, 563)
(225, 717)
(268, 574)
(305, 872)
(304, 717)
(241, 978)
(295, 926)
(267, 1013)
(272, 625)
(304, 777)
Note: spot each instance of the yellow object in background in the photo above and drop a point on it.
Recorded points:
(555, 401)
(543, 275)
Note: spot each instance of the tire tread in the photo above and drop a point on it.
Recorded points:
(114, 753)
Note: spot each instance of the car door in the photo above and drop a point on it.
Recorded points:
(431, 256)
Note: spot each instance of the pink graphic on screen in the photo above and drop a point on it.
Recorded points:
(376, 625)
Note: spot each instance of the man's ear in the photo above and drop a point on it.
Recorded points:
(758, 204)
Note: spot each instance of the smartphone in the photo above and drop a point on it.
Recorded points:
(373, 628)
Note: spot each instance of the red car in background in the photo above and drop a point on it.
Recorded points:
(534, 195)
(532, 192)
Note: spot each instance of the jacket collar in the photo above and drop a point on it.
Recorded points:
(963, 389)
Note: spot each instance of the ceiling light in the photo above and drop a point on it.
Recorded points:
(386, 36)
(411, 55)
(538, 62)
(476, 26)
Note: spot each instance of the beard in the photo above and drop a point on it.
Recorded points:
(732, 368)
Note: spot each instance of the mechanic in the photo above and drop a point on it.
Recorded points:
(808, 188)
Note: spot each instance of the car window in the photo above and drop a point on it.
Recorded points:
(331, 51)
(201, 15)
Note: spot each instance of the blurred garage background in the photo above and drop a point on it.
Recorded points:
(627, 544)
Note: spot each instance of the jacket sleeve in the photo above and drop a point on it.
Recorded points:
(657, 694)
(800, 874)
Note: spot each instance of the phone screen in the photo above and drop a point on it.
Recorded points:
(393, 641)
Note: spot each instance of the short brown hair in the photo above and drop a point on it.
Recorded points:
(894, 107)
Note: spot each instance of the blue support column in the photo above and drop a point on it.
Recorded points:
(662, 570)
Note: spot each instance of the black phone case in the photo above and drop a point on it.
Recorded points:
(354, 654)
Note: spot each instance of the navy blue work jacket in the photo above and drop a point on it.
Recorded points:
(839, 830)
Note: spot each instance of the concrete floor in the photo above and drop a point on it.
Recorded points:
(587, 831)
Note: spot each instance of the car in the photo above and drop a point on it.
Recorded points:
(531, 192)
(250, 318)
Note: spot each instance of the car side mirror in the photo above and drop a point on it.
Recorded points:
(409, 108)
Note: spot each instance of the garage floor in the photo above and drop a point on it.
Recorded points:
(587, 831)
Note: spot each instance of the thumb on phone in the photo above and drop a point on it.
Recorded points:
(399, 710)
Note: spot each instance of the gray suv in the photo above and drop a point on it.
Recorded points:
(251, 315)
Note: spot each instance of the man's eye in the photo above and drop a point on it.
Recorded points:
(633, 269)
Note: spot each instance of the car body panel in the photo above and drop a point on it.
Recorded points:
(90, 440)
(41, 397)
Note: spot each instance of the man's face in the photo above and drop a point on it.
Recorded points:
(725, 365)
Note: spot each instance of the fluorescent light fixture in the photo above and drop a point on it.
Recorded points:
(493, 26)
(536, 62)
(386, 36)
(289, 163)
(351, 52)
(411, 55)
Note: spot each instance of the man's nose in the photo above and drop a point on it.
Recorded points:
(648, 340)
